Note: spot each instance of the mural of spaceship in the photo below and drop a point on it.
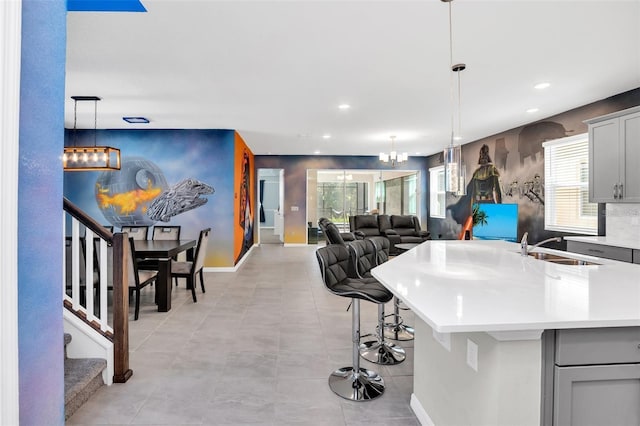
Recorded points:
(182, 197)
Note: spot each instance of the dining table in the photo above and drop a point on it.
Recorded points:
(163, 251)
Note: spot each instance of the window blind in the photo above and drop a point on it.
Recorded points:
(566, 175)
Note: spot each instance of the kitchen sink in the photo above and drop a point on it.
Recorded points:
(561, 260)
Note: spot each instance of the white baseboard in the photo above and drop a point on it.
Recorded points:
(297, 245)
(230, 268)
(420, 412)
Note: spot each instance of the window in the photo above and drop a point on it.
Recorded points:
(437, 196)
(566, 174)
(410, 192)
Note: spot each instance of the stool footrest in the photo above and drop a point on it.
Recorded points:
(399, 332)
(385, 353)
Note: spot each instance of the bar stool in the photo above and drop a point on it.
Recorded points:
(379, 351)
(398, 330)
(395, 330)
(352, 383)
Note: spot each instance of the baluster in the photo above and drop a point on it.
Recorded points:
(88, 275)
(104, 282)
(75, 263)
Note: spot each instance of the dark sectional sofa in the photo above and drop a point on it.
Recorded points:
(396, 228)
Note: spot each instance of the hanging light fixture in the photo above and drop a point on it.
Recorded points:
(454, 169)
(88, 158)
(394, 157)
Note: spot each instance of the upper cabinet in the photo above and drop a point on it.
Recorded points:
(614, 157)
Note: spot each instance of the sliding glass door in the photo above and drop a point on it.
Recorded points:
(338, 194)
(342, 193)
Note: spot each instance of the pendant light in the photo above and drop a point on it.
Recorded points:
(454, 169)
(89, 158)
(393, 156)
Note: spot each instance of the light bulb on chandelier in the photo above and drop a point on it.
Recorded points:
(393, 156)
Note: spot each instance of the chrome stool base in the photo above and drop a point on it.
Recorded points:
(399, 332)
(385, 353)
(363, 386)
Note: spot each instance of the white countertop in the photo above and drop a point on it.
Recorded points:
(631, 243)
(468, 286)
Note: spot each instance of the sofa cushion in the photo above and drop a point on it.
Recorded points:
(383, 222)
(366, 221)
(411, 239)
(407, 232)
(403, 221)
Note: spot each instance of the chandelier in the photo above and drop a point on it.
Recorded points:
(88, 158)
(454, 168)
(393, 156)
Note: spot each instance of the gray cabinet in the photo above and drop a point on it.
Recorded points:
(614, 155)
(596, 376)
(597, 395)
(599, 250)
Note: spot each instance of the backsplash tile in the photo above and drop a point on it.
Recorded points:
(623, 221)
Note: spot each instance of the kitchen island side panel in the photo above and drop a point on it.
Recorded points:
(504, 391)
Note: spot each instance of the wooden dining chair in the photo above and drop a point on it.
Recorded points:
(166, 233)
(137, 232)
(189, 269)
(138, 279)
(171, 233)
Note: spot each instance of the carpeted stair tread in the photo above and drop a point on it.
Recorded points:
(82, 377)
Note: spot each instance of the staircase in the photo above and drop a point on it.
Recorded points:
(82, 378)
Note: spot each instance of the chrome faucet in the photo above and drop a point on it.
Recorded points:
(524, 245)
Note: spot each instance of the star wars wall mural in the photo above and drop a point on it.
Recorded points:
(180, 198)
(245, 188)
(178, 177)
(138, 195)
(508, 168)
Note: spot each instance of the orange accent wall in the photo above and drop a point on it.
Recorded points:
(244, 202)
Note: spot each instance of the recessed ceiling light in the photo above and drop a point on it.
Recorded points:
(542, 85)
(344, 106)
(532, 110)
(136, 120)
(326, 136)
(457, 138)
(316, 152)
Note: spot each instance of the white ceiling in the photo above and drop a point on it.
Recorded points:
(276, 71)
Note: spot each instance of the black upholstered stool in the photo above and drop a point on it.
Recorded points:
(396, 330)
(363, 259)
(353, 383)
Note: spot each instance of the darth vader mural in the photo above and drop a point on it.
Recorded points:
(516, 177)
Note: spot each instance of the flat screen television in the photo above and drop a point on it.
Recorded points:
(497, 222)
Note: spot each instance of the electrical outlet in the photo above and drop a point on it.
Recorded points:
(472, 355)
(294, 208)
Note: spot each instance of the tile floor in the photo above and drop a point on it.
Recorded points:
(256, 349)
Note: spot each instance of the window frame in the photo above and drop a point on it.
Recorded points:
(581, 186)
(435, 175)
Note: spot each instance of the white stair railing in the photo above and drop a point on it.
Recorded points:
(95, 266)
(85, 280)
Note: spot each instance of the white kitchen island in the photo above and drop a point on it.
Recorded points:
(481, 302)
